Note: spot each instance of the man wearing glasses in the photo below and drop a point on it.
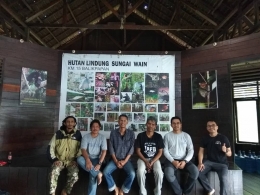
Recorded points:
(218, 149)
(178, 150)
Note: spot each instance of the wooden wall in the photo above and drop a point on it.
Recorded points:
(214, 58)
(26, 128)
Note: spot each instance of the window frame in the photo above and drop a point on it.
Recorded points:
(257, 104)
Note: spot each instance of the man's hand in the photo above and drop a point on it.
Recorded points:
(58, 163)
(148, 165)
(224, 148)
(73, 163)
(176, 164)
(201, 167)
(88, 164)
(97, 167)
(122, 163)
(182, 164)
(118, 164)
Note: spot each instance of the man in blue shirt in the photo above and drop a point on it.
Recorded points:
(121, 147)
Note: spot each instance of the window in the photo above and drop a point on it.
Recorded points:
(247, 126)
(245, 79)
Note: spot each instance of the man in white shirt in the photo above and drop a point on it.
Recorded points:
(178, 150)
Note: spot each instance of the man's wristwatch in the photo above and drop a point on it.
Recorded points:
(100, 163)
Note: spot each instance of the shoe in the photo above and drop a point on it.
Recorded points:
(212, 192)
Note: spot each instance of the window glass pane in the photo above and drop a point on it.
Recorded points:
(247, 121)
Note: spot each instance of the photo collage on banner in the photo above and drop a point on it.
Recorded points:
(104, 88)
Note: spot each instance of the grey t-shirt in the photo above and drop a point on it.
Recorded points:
(178, 146)
(94, 145)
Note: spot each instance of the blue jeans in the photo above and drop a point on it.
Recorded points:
(92, 183)
(128, 168)
(222, 171)
(170, 171)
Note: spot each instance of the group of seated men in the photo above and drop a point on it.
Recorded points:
(68, 149)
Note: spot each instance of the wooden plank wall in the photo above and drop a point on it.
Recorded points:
(214, 58)
(26, 128)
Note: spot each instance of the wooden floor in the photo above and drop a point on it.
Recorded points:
(251, 183)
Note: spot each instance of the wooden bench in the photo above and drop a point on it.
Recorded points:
(31, 178)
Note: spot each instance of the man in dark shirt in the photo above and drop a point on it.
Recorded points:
(218, 148)
(149, 148)
(121, 147)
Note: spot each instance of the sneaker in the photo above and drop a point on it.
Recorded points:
(211, 192)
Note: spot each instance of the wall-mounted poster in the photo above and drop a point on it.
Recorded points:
(204, 90)
(95, 86)
(33, 87)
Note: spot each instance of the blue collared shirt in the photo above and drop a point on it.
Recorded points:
(121, 146)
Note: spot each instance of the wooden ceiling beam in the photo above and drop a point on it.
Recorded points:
(28, 30)
(126, 26)
(231, 24)
(4, 27)
(111, 9)
(134, 7)
(149, 8)
(248, 22)
(98, 7)
(256, 12)
(9, 24)
(234, 30)
(43, 9)
(205, 17)
(76, 33)
(112, 39)
(220, 25)
(133, 40)
(72, 14)
(17, 18)
(176, 12)
(65, 12)
(168, 33)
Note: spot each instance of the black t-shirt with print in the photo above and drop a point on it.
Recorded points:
(213, 145)
(149, 146)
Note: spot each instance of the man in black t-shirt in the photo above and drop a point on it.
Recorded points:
(218, 148)
(149, 148)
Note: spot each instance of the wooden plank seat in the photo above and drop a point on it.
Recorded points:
(33, 180)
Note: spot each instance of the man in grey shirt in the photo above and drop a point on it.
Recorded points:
(178, 150)
(94, 149)
(121, 147)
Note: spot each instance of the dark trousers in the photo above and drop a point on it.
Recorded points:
(222, 171)
(170, 172)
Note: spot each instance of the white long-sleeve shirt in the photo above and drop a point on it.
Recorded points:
(178, 146)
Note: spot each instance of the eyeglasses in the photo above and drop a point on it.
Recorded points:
(213, 125)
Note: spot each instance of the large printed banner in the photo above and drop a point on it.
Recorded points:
(102, 86)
